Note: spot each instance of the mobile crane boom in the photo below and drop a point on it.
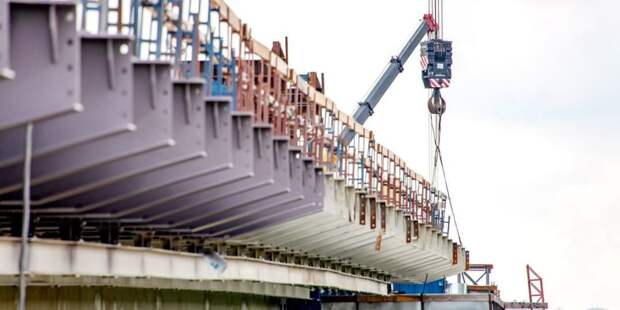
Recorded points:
(394, 67)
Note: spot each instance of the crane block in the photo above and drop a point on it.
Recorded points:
(436, 63)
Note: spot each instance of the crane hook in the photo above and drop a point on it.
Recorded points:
(436, 103)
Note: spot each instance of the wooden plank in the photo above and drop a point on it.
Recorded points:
(320, 99)
(215, 4)
(234, 21)
(246, 34)
(352, 124)
(222, 6)
(408, 298)
(525, 305)
(261, 51)
(330, 106)
(311, 93)
(279, 64)
(227, 14)
(302, 85)
(482, 288)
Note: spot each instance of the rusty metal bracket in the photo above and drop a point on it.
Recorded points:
(466, 260)
(408, 233)
(373, 213)
(383, 214)
(363, 210)
(455, 253)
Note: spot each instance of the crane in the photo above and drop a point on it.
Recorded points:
(436, 64)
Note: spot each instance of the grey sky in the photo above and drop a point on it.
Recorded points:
(531, 134)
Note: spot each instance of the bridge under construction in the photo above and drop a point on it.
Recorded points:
(153, 154)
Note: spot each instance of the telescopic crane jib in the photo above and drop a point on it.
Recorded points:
(436, 61)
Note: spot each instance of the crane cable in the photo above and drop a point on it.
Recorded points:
(436, 137)
(443, 170)
(441, 18)
(435, 8)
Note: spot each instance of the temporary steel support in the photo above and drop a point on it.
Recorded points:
(536, 293)
(534, 287)
(476, 274)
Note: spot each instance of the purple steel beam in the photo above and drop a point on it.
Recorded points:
(212, 124)
(269, 183)
(282, 214)
(188, 135)
(263, 176)
(306, 192)
(154, 130)
(279, 170)
(52, 165)
(107, 110)
(242, 146)
(292, 212)
(215, 218)
(42, 47)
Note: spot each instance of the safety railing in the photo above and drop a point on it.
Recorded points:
(205, 38)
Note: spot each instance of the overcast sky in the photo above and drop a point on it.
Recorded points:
(531, 137)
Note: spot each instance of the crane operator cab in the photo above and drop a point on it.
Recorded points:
(436, 71)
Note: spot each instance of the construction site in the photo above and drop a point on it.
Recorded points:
(155, 155)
